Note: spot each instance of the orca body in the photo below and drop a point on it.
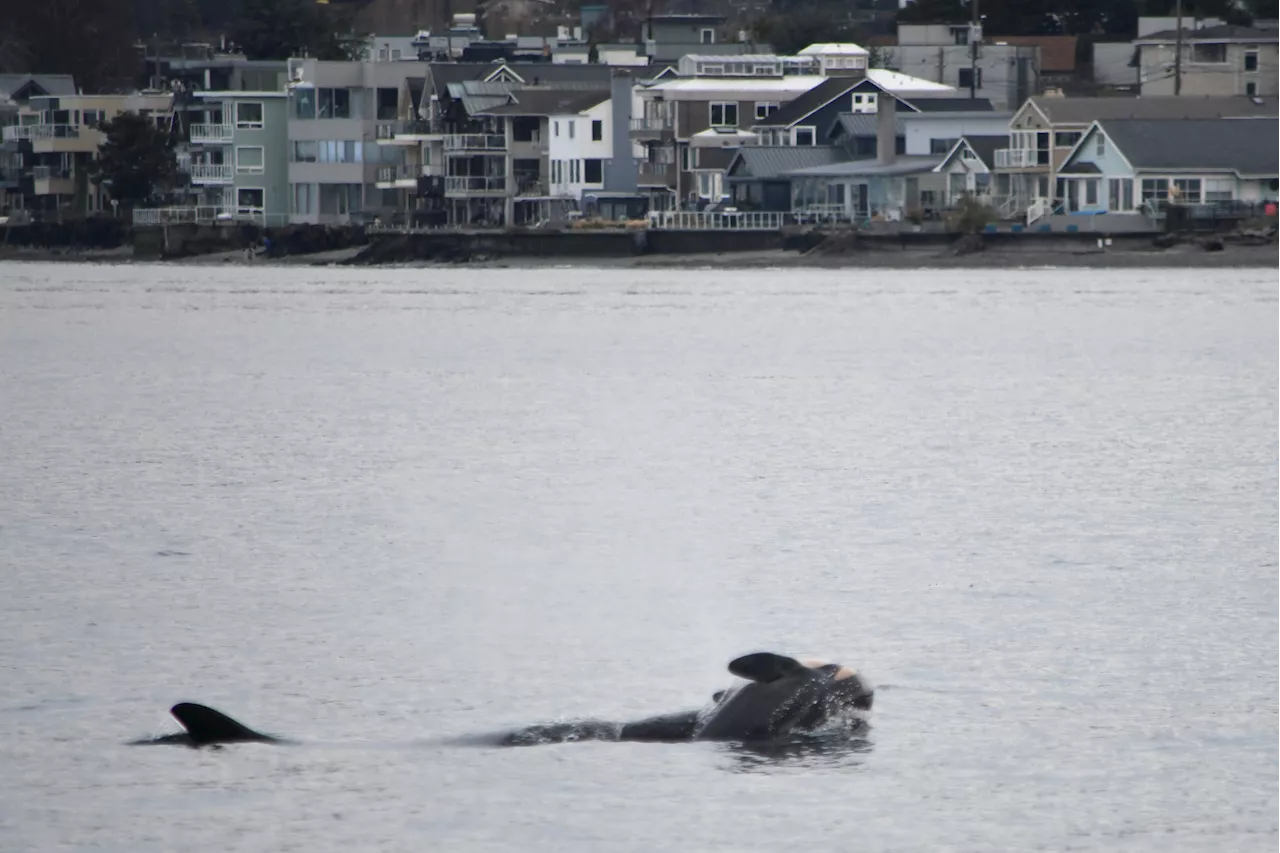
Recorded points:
(207, 727)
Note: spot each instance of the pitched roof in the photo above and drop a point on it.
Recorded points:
(1245, 146)
(1223, 32)
(48, 84)
(1057, 53)
(985, 147)
(545, 102)
(772, 161)
(810, 102)
(532, 73)
(862, 124)
(903, 165)
(1086, 110)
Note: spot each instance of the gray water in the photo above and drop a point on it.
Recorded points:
(383, 512)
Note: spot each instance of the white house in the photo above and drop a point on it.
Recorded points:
(1129, 165)
(579, 144)
(936, 131)
(838, 60)
(968, 166)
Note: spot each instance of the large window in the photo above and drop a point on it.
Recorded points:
(304, 103)
(1066, 138)
(304, 198)
(1155, 189)
(251, 199)
(941, 146)
(303, 152)
(333, 103)
(597, 131)
(1187, 190)
(1250, 60)
(724, 114)
(806, 135)
(337, 151)
(1209, 53)
(1119, 194)
(1219, 189)
(249, 160)
(592, 171)
(249, 115)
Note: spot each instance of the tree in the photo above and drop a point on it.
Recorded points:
(279, 29)
(93, 42)
(135, 162)
(802, 26)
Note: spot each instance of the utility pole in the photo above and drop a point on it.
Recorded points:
(1177, 53)
(973, 49)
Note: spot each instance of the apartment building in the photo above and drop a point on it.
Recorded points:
(237, 156)
(16, 91)
(334, 109)
(57, 138)
(1006, 73)
(1217, 61)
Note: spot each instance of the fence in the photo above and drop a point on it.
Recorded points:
(748, 220)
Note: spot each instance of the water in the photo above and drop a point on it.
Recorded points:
(384, 512)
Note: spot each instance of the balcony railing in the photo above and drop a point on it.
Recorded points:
(212, 173)
(747, 220)
(46, 173)
(530, 187)
(654, 123)
(1016, 158)
(407, 172)
(41, 131)
(657, 173)
(212, 132)
(206, 214)
(412, 128)
(475, 142)
(474, 185)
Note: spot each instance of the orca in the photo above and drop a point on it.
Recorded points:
(207, 727)
(781, 699)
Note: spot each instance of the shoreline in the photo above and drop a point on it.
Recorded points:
(1180, 256)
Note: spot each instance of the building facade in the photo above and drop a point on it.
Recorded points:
(238, 156)
(1217, 61)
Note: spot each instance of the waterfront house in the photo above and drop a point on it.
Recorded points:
(967, 167)
(1046, 128)
(1217, 61)
(238, 155)
(758, 176)
(1128, 166)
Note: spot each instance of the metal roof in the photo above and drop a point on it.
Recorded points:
(545, 102)
(902, 165)
(809, 102)
(863, 124)
(1087, 110)
(756, 162)
(1244, 146)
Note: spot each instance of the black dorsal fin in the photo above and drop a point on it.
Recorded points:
(765, 667)
(206, 725)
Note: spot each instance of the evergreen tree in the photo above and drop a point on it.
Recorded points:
(135, 163)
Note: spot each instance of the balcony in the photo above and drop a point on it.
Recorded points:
(1018, 158)
(657, 174)
(475, 142)
(212, 173)
(50, 180)
(475, 185)
(407, 132)
(656, 127)
(530, 187)
(404, 176)
(41, 131)
(215, 134)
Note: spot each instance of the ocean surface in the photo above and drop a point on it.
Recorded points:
(385, 512)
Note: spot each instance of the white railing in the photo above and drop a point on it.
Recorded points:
(475, 142)
(46, 173)
(212, 173)
(747, 220)
(1016, 158)
(40, 131)
(146, 216)
(462, 184)
(212, 132)
(1040, 208)
(653, 123)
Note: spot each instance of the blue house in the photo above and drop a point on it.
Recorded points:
(1138, 165)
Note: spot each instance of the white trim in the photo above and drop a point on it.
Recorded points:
(795, 133)
(250, 125)
(251, 170)
(504, 70)
(1085, 137)
(711, 122)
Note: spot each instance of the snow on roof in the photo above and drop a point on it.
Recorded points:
(694, 86)
(896, 81)
(828, 48)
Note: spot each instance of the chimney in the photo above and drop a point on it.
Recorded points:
(886, 133)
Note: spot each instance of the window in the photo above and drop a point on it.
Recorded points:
(304, 103)
(1066, 138)
(941, 146)
(249, 115)
(1187, 190)
(1218, 189)
(1120, 194)
(303, 152)
(966, 74)
(597, 131)
(571, 123)
(1155, 189)
(805, 136)
(304, 198)
(724, 114)
(593, 171)
(764, 110)
(1250, 60)
(708, 35)
(333, 103)
(249, 160)
(575, 170)
(1091, 191)
(250, 199)
(1100, 145)
(555, 171)
(1209, 53)
(959, 35)
(555, 129)
(1251, 88)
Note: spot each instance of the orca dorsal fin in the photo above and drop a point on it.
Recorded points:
(206, 725)
(765, 667)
